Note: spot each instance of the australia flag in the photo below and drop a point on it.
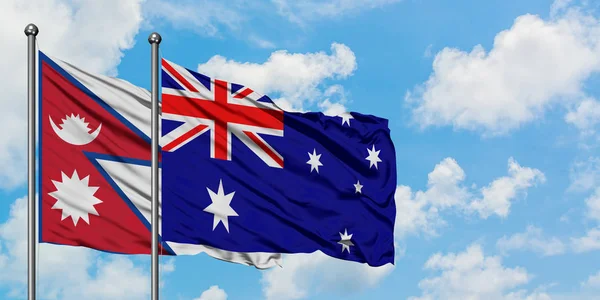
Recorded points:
(241, 174)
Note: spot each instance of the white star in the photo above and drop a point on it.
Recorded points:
(373, 157)
(314, 161)
(220, 206)
(345, 241)
(358, 187)
(75, 197)
(346, 118)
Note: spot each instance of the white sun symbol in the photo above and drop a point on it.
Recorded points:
(75, 197)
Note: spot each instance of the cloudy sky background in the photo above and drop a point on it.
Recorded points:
(493, 110)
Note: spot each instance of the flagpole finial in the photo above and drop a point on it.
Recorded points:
(31, 29)
(154, 38)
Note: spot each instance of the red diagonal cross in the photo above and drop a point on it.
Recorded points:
(222, 113)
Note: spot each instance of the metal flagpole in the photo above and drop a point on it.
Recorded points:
(31, 32)
(154, 39)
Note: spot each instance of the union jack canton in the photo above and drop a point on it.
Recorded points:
(222, 108)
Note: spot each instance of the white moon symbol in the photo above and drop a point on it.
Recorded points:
(75, 135)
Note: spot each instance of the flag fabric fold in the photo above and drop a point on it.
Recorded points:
(94, 166)
(241, 174)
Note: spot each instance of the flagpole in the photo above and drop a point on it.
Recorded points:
(31, 32)
(154, 39)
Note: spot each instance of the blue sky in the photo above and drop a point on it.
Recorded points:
(492, 108)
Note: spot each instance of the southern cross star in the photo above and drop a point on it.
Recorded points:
(346, 118)
(373, 157)
(220, 207)
(358, 187)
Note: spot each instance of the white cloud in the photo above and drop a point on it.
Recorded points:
(334, 103)
(559, 6)
(201, 16)
(593, 205)
(420, 211)
(216, 19)
(66, 272)
(213, 293)
(532, 66)
(260, 42)
(592, 282)
(303, 274)
(168, 266)
(585, 175)
(71, 30)
(301, 11)
(117, 278)
(296, 77)
(332, 108)
(471, 275)
(498, 195)
(532, 239)
(415, 214)
(287, 105)
(586, 116)
(524, 295)
(589, 242)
